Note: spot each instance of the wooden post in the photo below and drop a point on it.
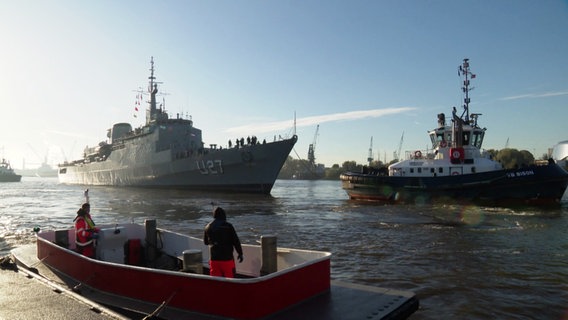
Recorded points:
(151, 240)
(269, 254)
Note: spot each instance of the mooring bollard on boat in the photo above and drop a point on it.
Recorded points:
(268, 249)
(151, 240)
(193, 261)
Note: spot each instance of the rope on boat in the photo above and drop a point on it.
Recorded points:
(32, 266)
(77, 288)
(159, 309)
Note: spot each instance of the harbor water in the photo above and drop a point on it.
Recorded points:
(462, 261)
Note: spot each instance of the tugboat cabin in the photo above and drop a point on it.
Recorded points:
(456, 149)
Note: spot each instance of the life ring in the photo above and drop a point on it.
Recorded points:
(456, 154)
(417, 154)
(443, 144)
(455, 173)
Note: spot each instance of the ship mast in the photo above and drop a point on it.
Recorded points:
(459, 122)
(152, 90)
(464, 69)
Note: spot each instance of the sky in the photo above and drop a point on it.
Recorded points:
(362, 71)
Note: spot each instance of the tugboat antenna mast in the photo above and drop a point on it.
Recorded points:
(464, 69)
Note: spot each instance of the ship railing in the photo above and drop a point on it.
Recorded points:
(420, 154)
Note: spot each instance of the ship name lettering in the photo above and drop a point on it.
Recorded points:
(210, 166)
(523, 173)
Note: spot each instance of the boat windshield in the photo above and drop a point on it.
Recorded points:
(477, 139)
(437, 137)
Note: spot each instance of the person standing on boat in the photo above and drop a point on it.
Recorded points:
(221, 238)
(85, 231)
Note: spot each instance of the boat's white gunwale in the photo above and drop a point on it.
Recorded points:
(325, 256)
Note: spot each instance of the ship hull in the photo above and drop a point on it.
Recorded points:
(249, 168)
(533, 185)
(10, 178)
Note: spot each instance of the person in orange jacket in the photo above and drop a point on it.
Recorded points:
(85, 231)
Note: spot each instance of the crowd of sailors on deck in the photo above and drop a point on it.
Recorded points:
(251, 141)
(239, 143)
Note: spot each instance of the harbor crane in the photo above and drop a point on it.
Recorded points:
(312, 149)
(370, 157)
(397, 154)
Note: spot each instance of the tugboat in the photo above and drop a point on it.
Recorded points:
(7, 174)
(170, 153)
(457, 170)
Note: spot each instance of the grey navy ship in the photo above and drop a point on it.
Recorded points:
(7, 174)
(170, 153)
(456, 169)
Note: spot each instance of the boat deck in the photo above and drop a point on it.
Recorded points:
(343, 301)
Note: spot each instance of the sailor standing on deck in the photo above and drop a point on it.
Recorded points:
(221, 238)
(85, 231)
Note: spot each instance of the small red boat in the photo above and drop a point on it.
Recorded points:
(149, 270)
(121, 269)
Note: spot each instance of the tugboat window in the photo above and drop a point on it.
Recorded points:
(432, 170)
(440, 170)
(419, 170)
(465, 140)
(478, 138)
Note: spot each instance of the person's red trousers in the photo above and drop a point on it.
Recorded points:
(88, 250)
(222, 268)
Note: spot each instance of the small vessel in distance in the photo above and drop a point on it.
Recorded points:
(457, 170)
(43, 171)
(170, 153)
(7, 174)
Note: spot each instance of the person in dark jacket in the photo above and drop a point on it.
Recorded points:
(221, 238)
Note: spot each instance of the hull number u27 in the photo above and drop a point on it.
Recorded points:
(210, 166)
